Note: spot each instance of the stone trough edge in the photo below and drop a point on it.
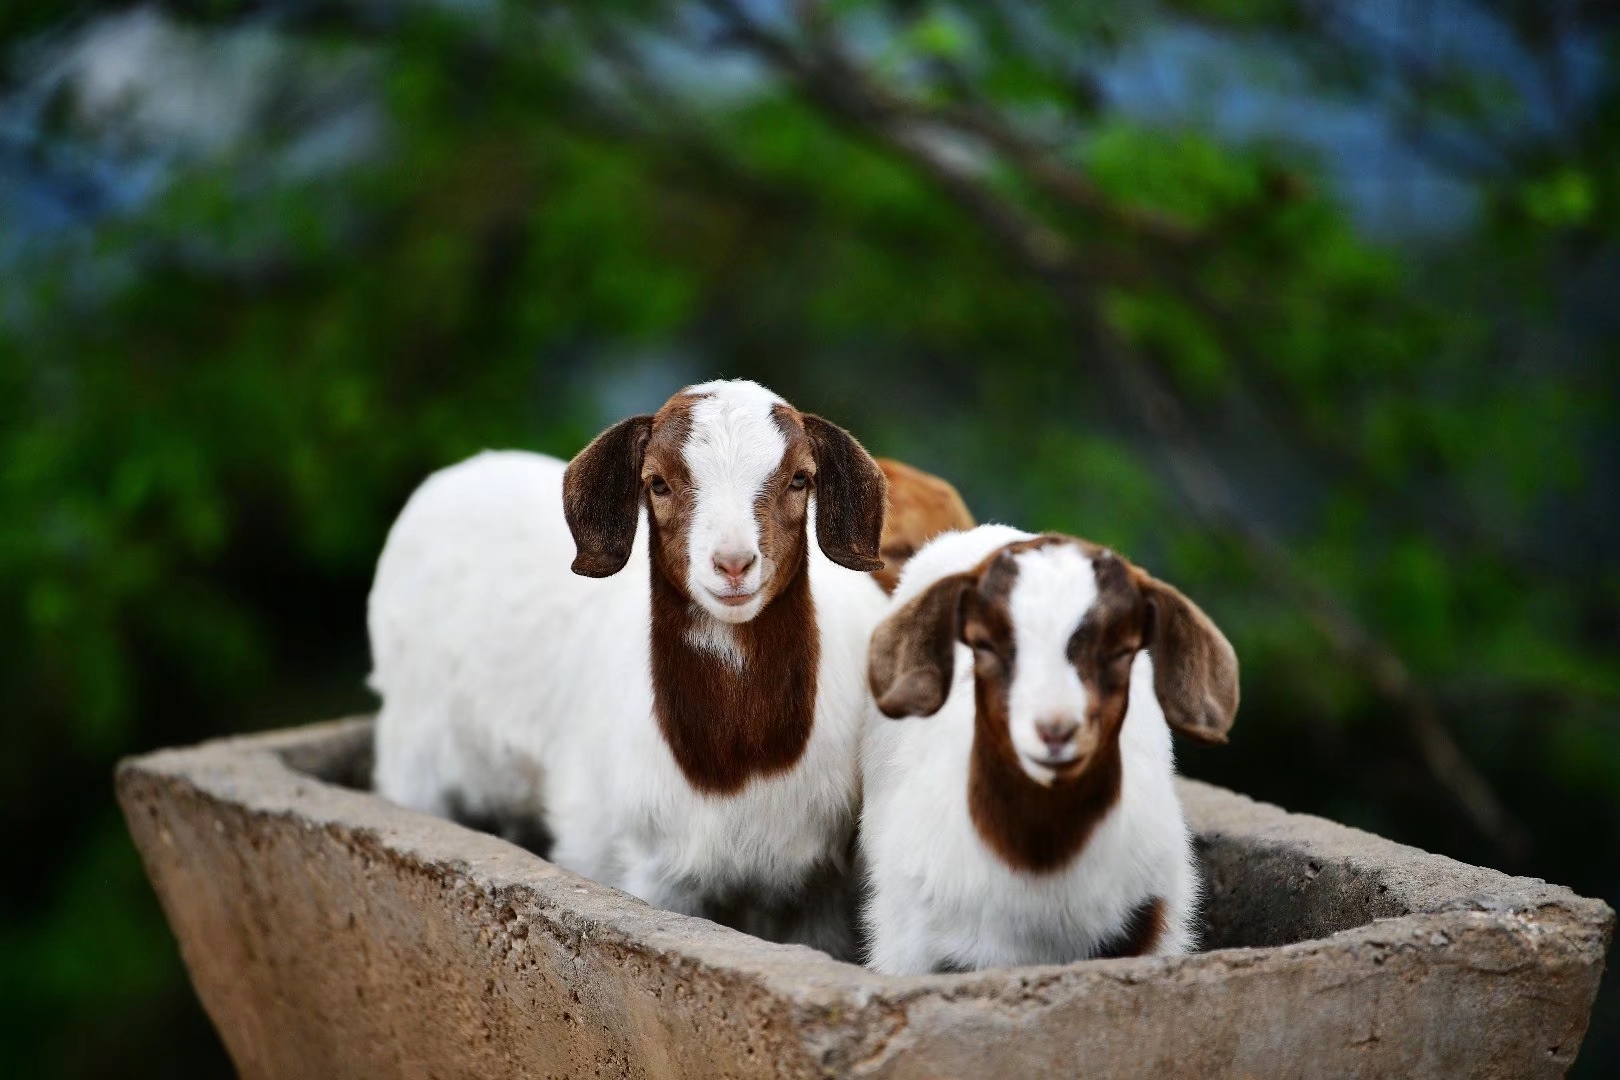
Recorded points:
(861, 1019)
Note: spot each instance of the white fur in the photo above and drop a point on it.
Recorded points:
(1055, 589)
(733, 448)
(939, 897)
(512, 685)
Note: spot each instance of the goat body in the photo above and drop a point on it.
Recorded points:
(985, 845)
(639, 723)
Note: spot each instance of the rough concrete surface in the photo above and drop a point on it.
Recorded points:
(330, 934)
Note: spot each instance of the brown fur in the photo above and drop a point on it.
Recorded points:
(851, 494)
(601, 493)
(921, 506)
(669, 515)
(913, 652)
(1030, 826)
(1198, 688)
(726, 725)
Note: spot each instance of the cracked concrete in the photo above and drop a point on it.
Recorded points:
(331, 934)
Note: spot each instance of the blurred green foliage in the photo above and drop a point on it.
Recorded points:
(1386, 468)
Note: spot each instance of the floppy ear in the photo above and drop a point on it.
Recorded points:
(850, 497)
(912, 657)
(1195, 671)
(601, 493)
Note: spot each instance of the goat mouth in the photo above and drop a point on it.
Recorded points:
(1057, 765)
(734, 599)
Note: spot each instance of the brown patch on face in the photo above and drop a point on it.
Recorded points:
(781, 506)
(669, 508)
(920, 507)
(1141, 933)
(1104, 645)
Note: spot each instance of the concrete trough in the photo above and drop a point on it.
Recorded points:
(331, 934)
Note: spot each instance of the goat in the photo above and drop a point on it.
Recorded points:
(1034, 819)
(921, 507)
(690, 736)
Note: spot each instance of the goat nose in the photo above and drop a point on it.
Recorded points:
(1056, 731)
(734, 564)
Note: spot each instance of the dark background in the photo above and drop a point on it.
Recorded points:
(1310, 306)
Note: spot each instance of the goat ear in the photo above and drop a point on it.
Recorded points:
(851, 494)
(1195, 670)
(601, 496)
(912, 658)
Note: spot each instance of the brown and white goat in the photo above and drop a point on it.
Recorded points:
(689, 731)
(1033, 818)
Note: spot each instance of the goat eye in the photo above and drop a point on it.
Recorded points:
(800, 479)
(659, 487)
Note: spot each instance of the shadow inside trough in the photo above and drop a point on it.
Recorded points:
(342, 756)
(347, 758)
(1255, 894)
(1258, 894)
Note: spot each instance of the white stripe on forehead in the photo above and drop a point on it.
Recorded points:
(741, 391)
(1055, 587)
(734, 444)
(731, 451)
